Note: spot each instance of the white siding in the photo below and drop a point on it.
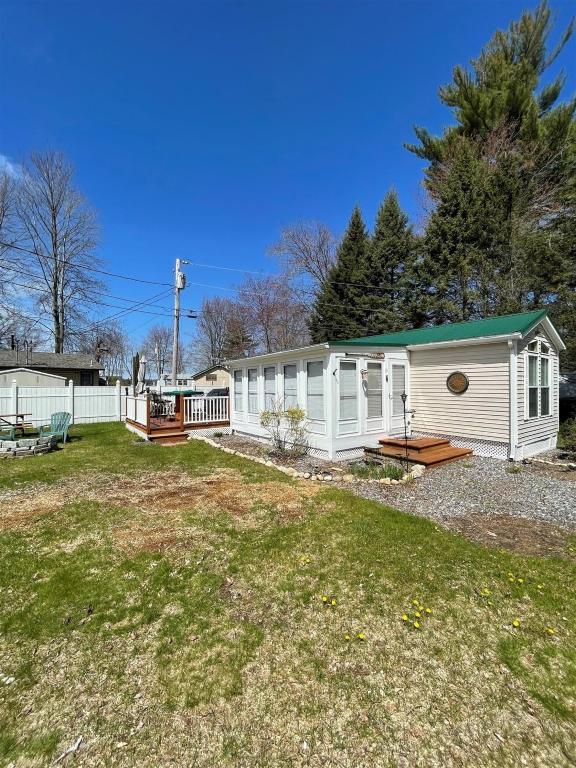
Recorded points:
(542, 428)
(482, 411)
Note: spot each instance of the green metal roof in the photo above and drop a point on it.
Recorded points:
(492, 326)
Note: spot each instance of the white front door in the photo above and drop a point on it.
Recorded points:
(397, 384)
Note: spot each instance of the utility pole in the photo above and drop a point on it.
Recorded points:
(179, 285)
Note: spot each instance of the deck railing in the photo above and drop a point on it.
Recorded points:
(137, 409)
(206, 410)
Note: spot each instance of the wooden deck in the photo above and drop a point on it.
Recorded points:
(165, 424)
(429, 451)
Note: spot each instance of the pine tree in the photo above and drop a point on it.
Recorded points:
(338, 311)
(501, 245)
(388, 262)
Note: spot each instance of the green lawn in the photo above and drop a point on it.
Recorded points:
(167, 605)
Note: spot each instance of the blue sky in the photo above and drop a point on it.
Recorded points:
(199, 129)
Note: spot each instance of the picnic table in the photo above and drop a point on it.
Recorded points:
(19, 422)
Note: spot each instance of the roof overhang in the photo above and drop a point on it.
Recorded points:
(286, 353)
(465, 342)
(4, 371)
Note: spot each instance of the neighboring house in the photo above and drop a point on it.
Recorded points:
(25, 377)
(83, 370)
(215, 377)
(490, 385)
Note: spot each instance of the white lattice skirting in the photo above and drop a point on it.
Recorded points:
(489, 448)
(209, 431)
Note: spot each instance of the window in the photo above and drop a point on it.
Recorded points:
(290, 387)
(315, 390)
(348, 391)
(532, 386)
(86, 378)
(269, 387)
(538, 385)
(398, 389)
(238, 383)
(544, 386)
(374, 390)
(252, 390)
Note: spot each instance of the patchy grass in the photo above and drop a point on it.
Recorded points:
(180, 606)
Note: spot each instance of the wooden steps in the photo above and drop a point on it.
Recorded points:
(429, 451)
(167, 436)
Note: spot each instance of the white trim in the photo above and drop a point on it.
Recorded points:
(552, 332)
(513, 396)
(465, 342)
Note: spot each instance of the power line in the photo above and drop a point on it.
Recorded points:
(104, 293)
(83, 266)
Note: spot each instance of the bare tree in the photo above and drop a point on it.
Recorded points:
(157, 346)
(110, 346)
(59, 227)
(307, 248)
(222, 331)
(277, 315)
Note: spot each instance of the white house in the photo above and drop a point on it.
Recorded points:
(490, 385)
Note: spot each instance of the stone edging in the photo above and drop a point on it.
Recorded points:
(416, 471)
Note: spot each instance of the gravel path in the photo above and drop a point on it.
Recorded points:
(485, 487)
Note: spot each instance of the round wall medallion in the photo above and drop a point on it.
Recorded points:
(457, 382)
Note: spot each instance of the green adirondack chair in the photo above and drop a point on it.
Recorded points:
(7, 431)
(58, 426)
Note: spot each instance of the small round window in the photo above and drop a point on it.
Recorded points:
(457, 383)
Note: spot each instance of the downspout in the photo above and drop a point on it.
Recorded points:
(513, 386)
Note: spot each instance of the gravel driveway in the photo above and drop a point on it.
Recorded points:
(482, 486)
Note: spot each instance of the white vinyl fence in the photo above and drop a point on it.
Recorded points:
(86, 404)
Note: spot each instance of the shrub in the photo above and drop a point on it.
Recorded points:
(287, 429)
(376, 471)
(567, 435)
(218, 434)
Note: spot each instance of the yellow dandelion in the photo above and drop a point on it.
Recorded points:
(551, 630)
(361, 636)
(346, 637)
(511, 579)
(520, 581)
(324, 599)
(415, 602)
(333, 602)
(417, 625)
(516, 623)
(490, 602)
(510, 573)
(404, 617)
(428, 610)
(418, 614)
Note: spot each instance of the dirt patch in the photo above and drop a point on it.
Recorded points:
(21, 508)
(163, 497)
(516, 534)
(553, 470)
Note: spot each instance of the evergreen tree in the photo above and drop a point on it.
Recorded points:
(339, 311)
(388, 262)
(501, 245)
